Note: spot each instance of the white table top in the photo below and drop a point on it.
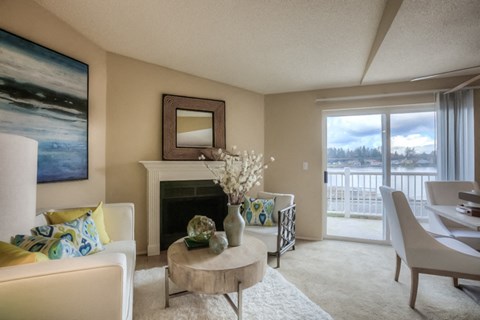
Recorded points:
(451, 213)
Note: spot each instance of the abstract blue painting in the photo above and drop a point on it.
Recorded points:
(44, 96)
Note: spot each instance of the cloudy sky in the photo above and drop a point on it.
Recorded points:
(415, 130)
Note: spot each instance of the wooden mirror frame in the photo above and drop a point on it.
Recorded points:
(169, 114)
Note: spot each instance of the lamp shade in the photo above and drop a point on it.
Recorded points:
(18, 185)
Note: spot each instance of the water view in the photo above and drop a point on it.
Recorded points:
(355, 159)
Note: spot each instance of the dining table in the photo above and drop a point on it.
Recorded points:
(451, 213)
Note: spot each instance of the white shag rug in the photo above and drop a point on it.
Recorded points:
(273, 298)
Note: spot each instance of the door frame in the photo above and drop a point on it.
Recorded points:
(386, 113)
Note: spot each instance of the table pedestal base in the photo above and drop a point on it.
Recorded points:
(237, 308)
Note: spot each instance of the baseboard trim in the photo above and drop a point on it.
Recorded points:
(308, 238)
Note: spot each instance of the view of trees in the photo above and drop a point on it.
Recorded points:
(372, 157)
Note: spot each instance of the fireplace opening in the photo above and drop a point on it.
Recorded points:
(180, 201)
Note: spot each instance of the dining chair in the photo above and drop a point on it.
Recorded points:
(422, 253)
(446, 193)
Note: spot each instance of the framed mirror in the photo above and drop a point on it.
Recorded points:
(191, 127)
(194, 129)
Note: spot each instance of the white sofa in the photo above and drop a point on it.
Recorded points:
(97, 286)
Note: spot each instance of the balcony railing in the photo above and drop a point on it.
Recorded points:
(353, 193)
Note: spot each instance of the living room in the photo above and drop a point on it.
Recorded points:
(125, 117)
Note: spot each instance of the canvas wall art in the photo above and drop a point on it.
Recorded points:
(44, 96)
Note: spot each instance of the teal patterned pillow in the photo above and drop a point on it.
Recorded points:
(53, 248)
(258, 212)
(82, 232)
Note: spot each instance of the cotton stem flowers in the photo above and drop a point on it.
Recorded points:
(241, 172)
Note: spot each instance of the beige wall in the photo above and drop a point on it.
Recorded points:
(130, 130)
(134, 126)
(293, 134)
(125, 122)
(30, 21)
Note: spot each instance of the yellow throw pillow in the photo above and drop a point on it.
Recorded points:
(11, 255)
(58, 217)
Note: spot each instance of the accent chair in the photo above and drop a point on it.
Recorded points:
(280, 237)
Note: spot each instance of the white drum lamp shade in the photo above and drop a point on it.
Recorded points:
(18, 185)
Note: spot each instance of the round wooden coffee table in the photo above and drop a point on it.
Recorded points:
(201, 271)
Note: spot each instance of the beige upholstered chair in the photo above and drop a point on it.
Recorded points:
(421, 252)
(281, 237)
(446, 193)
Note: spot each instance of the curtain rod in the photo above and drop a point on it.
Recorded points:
(384, 95)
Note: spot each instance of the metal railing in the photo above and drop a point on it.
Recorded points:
(353, 193)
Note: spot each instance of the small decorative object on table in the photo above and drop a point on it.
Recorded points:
(469, 209)
(217, 243)
(242, 171)
(234, 225)
(199, 230)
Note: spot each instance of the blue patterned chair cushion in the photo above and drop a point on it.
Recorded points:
(82, 232)
(52, 248)
(258, 212)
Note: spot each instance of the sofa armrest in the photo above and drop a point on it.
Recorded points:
(119, 220)
(90, 287)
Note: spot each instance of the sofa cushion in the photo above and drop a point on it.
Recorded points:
(258, 211)
(56, 217)
(52, 248)
(267, 235)
(82, 232)
(11, 255)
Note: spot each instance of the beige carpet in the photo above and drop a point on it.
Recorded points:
(355, 281)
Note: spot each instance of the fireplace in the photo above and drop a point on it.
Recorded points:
(158, 171)
(180, 201)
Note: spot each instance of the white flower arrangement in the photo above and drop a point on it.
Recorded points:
(241, 172)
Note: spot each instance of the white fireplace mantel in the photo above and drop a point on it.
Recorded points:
(168, 171)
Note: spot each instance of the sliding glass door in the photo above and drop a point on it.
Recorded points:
(365, 151)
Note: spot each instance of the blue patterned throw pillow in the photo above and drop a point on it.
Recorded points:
(52, 248)
(82, 232)
(258, 212)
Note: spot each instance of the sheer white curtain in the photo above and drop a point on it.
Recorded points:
(455, 136)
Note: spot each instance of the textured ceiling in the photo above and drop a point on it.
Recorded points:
(282, 46)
